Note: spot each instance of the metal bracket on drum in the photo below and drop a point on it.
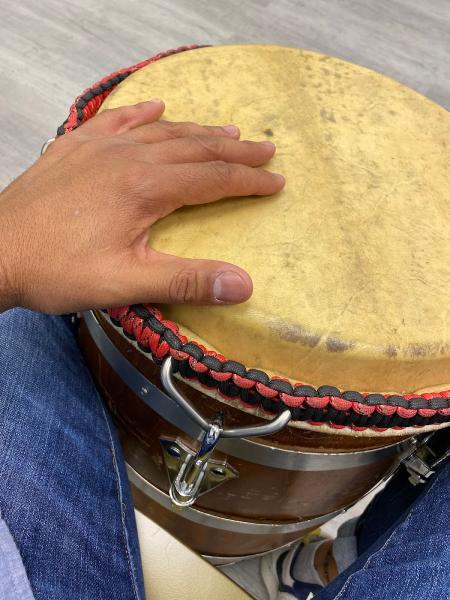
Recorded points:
(210, 474)
(46, 145)
(196, 472)
(235, 525)
(423, 459)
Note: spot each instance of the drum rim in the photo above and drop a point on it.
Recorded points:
(245, 449)
(352, 408)
(159, 337)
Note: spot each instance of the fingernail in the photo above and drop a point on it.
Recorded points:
(229, 287)
(280, 177)
(231, 129)
(156, 101)
(270, 145)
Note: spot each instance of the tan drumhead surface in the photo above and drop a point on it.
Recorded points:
(350, 262)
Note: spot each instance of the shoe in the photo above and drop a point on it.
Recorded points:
(275, 569)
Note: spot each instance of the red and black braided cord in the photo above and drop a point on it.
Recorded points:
(88, 103)
(253, 387)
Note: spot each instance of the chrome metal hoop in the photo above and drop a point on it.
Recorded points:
(217, 522)
(245, 449)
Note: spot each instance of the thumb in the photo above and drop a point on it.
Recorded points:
(170, 279)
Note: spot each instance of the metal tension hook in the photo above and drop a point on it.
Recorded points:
(193, 474)
(46, 145)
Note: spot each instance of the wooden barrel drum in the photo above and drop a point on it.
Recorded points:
(346, 334)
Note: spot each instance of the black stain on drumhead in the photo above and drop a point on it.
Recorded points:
(422, 350)
(335, 345)
(390, 351)
(295, 334)
(268, 132)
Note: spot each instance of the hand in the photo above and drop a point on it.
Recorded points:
(74, 227)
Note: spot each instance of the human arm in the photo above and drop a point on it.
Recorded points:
(74, 227)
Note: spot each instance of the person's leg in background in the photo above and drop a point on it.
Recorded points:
(398, 549)
(64, 493)
(403, 541)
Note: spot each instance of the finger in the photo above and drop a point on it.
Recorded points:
(166, 130)
(202, 148)
(116, 121)
(162, 278)
(110, 122)
(198, 183)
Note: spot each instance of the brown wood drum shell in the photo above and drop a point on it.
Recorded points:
(206, 540)
(260, 493)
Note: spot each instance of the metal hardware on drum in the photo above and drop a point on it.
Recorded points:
(46, 145)
(185, 488)
(238, 432)
(245, 449)
(218, 522)
(207, 475)
(239, 526)
(421, 461)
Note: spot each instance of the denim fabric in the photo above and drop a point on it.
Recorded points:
(14, 584)
(64, 493)
(404, 545)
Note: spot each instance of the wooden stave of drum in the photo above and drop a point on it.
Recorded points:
(265, 507)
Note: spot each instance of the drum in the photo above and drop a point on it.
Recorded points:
(246, 426)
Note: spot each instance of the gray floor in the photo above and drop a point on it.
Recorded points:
(52, 49)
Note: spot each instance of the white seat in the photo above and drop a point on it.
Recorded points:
(174, 572)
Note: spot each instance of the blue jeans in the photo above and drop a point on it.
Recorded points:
(65, 499)
(403, 542)
(64, 493)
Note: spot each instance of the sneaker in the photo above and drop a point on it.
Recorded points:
(275, 569)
